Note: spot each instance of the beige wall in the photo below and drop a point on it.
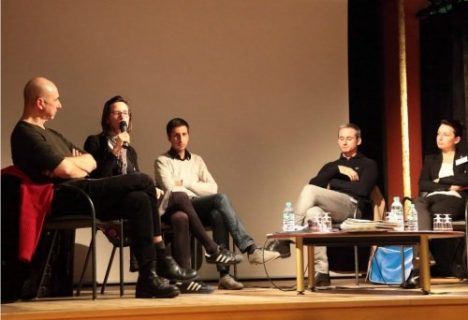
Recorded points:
(263, 84)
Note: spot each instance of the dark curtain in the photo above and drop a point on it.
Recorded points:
(444, 82)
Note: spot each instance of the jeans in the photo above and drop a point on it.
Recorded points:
(216, 211)
(313, 202)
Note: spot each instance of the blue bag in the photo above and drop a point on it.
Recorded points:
(386, 264)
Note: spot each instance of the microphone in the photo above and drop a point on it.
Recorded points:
(123, 128)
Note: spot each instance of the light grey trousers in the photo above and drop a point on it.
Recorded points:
(312, 203)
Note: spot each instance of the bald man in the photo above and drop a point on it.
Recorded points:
(46, 156)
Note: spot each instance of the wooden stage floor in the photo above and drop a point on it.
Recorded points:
(260, 300)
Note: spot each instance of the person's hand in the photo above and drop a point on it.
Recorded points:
(456, 188)
(76, 153)
(347, 171)
(436, 180)
(121, 138)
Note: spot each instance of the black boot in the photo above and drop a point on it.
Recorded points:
(412, 281)
(168, 268)
(133, 261)
(149, 285)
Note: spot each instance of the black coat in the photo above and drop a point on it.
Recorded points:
(108, 164)
(430, 172)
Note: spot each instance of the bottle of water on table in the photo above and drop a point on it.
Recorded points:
(412, 224)
(397, 213)
(288, 217)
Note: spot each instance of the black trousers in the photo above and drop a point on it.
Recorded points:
(438, 203)
(132, 197)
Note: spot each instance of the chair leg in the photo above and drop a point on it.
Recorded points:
(47, 263)
(356, 264)
(121, 262)
(93, 258)
(90, 253)
(234, 251)
(85, 266)
(403, 267)
(109, 265)
(466, 237)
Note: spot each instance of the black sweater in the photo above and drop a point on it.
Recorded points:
(330, 176)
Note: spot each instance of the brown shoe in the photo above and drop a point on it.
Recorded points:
(227, 282)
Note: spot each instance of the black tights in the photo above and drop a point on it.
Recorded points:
(183, 218)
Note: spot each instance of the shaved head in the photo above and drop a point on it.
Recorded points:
(35, 88)
(41, 101)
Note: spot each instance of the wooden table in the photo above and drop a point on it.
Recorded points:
(353, 238)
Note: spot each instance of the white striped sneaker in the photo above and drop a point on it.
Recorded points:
(223, 257)
(194, 286)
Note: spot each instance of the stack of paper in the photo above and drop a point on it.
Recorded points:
(359, 224)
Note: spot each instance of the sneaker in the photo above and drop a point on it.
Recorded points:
(222, 257)
(322, 279)
(260, 256)
(194, 286)
(228, 282)
(282, 246)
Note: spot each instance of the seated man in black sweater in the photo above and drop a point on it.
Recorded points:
(341, 187)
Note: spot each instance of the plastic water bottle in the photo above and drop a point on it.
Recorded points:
(412, 224)
(288, 217)
(397, 213)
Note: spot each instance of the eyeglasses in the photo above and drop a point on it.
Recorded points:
(120, 113)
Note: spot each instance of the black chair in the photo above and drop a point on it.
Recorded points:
(75, 211)
(114, 231)
(462, 225)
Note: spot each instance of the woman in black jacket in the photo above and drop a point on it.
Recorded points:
(444, 177)
(115, 156)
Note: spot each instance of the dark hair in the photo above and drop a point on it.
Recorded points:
(106, 111)
(456, 125)
(174, 123)
(352, 126)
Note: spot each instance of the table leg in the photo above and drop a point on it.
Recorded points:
(425, 273)
(311, 267)
(299, 265)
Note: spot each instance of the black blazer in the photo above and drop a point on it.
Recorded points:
(107, 163)
(430, 172)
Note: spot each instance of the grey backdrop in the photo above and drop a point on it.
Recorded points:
(263, 84)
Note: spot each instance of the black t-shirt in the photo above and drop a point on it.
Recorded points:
(37, 151)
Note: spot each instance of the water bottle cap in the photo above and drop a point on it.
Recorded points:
(288, 204)
(396, 198)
